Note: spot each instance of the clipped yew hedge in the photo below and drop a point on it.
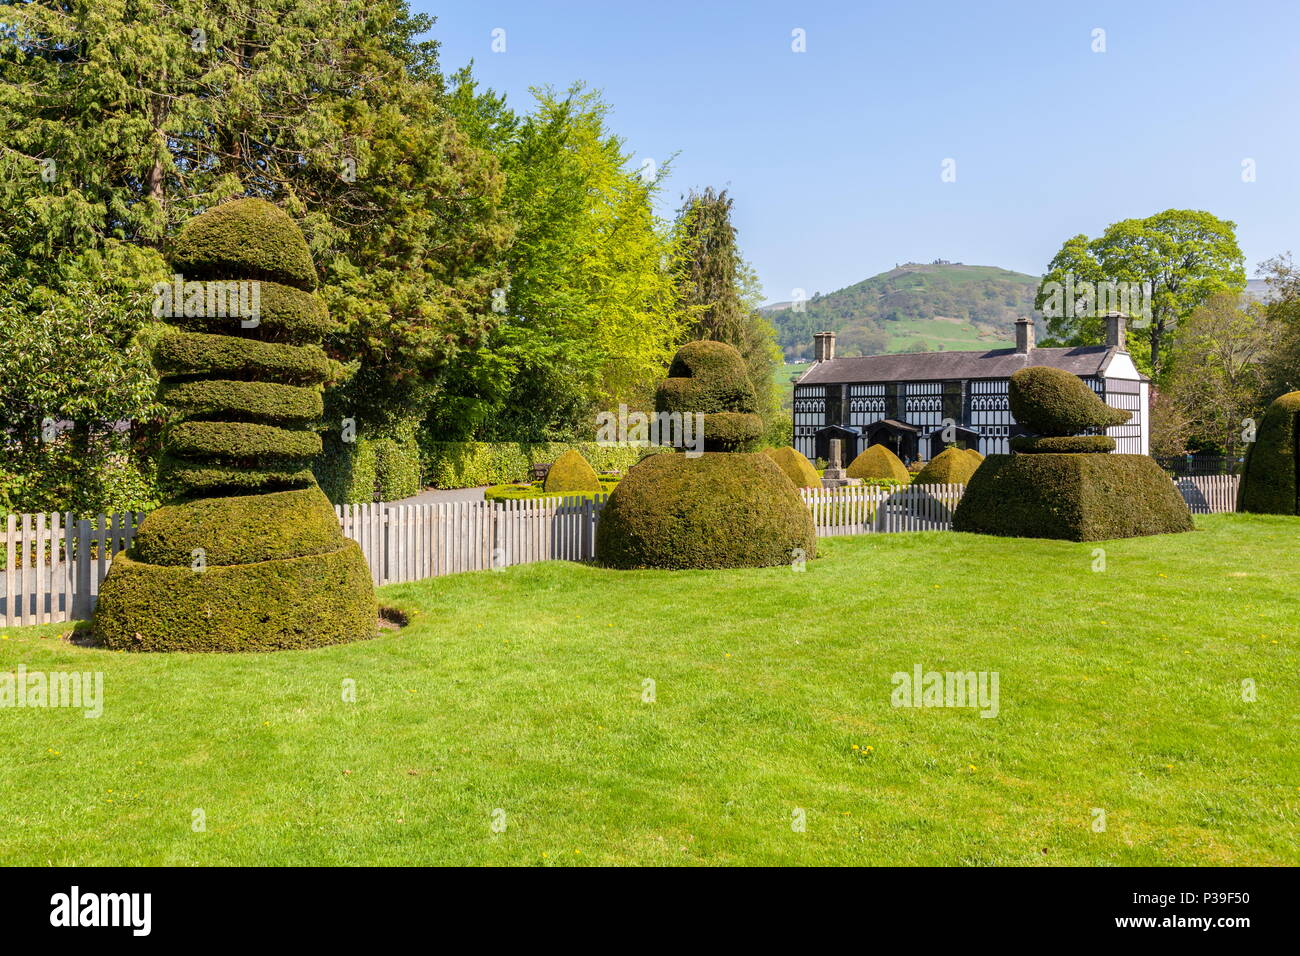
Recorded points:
(244, 239)
(795, 466)
(720, 510)
(877, 463)
(224, 356)
(570, 474)
(1077, 497)
(1269, 480)
(303, 602)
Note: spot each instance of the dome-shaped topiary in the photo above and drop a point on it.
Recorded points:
(571, 474)
(710, 377)
(975, 455)
(1269, 482)
(796, 467)
(952, 466)
(251, 556)
(877, 463)
(1050, 401)
(244, 239)
(720, 510)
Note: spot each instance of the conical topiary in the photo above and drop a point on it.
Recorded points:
(722, 509)
(952, 466)
(571, 474)
(878, 463)
(1269, 482)
(249, 555)
(797, 468)
(975, 455)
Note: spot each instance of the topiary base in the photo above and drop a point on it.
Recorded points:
(312, 601)
(720, 510)
(1076, 497)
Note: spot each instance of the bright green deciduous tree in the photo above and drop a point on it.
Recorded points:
(588, 316)
(1184, 256)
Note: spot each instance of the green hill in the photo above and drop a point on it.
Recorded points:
(913, 308)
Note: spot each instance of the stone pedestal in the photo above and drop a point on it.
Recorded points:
(834, 476)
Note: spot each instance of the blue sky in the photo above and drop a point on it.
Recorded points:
(834, 155)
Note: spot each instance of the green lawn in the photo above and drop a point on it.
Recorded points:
(522, 690)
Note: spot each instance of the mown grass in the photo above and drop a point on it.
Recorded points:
(522, 690)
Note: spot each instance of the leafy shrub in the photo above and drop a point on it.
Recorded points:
(1077, 497)
(952, 466)
(1063, 444)
(570, 474)
(720, 510)
(1051, 401)
(1268, 481)
(795, 466)
(877, 461)
(975, 455)
(184, 479)
(216, 245)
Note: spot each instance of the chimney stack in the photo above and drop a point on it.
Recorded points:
(823, 346)
(1116, 331)
(1024, 335)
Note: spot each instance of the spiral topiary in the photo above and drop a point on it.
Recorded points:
(722, 509)
(249, 555)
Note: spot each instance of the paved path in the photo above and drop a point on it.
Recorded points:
(434, 495)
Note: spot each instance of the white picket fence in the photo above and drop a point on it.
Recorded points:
(1209, 494)
(859, 509)
(54, 563)
(414, 542)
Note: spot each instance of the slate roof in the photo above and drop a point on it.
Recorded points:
(941, 366)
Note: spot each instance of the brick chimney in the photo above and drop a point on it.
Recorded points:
(823, 346)
(1024, 335)
(1116, 331)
